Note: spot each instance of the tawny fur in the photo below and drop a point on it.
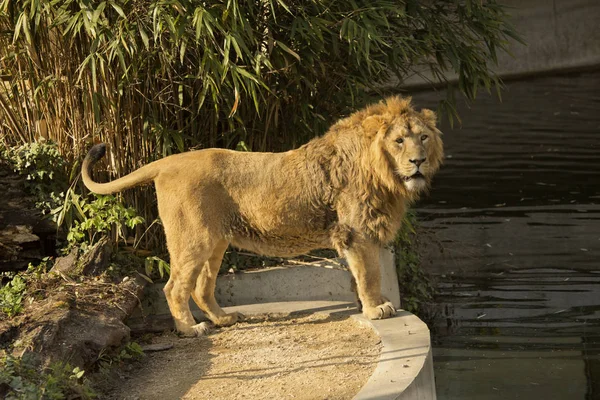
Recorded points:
(346, 190)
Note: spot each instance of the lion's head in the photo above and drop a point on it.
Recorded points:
(405, 145)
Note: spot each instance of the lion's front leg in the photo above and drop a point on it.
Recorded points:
(363, 260)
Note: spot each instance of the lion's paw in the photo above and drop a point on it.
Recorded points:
(229, 319)
(201, 329)
(382, 311)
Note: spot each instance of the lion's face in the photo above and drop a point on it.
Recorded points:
(415, 147)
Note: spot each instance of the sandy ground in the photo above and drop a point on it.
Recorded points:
(267, 357)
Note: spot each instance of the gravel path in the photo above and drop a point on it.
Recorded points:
(267, 357)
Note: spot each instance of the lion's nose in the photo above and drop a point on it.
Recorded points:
(419, 161)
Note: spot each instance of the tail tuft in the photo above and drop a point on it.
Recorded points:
(97, 152)
(143, 175)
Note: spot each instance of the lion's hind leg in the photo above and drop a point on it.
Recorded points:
(186, 265)
(204, 291)
(192, 228)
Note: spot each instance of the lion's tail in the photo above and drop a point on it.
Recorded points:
(143, 175)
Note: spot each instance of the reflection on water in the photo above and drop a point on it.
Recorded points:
(515, 213)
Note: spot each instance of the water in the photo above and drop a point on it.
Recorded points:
(514, 227)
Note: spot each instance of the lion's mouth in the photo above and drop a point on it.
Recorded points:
(416, 175)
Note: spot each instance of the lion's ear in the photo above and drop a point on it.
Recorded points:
(429, 116)
(374, 124)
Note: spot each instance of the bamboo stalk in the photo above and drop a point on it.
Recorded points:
(13, 119)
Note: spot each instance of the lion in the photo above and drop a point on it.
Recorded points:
(347, 190)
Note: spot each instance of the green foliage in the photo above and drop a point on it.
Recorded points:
(11, 296)
(154, 265)
(86, 218)
(242, 146)
(83, 219)
(36, 271)
(44, 170)
(129, 352)
(104, 216)
(20, 378)
(415, 285)
(40, 162)
(13, 292)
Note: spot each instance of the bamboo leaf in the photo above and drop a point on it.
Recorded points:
(509, 31)
(96, 106)
(98, 12)
(144, 37)
(287, 49)
(178, 139)
(226, 48)
(118, 9)
(235, 103)
(93, 69)
(182, 50)
(282, 4)
(33, 7)
(18, 27)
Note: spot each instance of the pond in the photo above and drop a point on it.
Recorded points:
(513, 228)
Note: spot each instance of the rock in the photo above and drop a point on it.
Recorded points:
(92, 263)
(17, 247)
(66, 264)
(97, 259)
(19, 234)
(63, 332)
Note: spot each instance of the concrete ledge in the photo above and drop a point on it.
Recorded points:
(323, 281)
(326, 280)
(286, 283)
(405, 367)
(277, 284)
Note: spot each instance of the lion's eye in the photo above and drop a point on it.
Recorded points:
(424, 138)
(400, 140)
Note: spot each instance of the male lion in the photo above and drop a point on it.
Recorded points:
(346, 190)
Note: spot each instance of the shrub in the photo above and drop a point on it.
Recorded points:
(11, 296)
(103, 216)
(44, 170)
